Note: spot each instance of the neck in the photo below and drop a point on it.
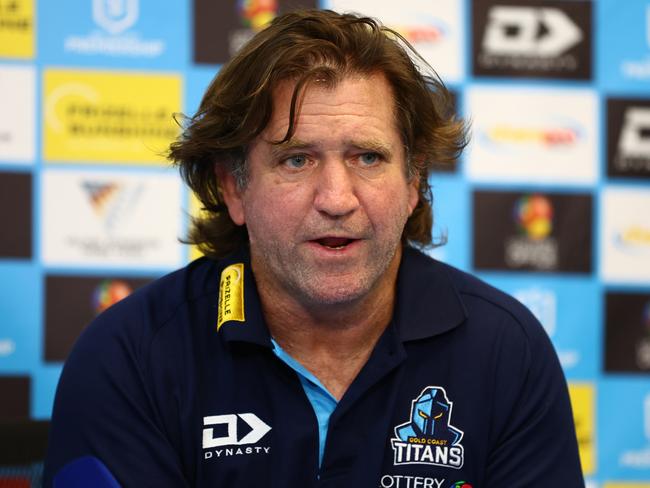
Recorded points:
(332, 341)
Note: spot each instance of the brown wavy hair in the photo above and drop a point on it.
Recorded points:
(303, 46)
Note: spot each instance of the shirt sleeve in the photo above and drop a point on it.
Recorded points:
(534, 440)
(104, 409)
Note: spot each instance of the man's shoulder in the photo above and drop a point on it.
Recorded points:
(167, 302)
(481, 301)
(161, 300)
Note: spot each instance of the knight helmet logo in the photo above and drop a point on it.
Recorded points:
(428, 437)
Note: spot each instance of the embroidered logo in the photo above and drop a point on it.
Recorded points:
(428, 437)
(222, 435)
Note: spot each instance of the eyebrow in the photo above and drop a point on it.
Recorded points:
(370, 145)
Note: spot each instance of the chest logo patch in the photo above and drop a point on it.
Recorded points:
(231, 295)
(428, 436)
(222, 435)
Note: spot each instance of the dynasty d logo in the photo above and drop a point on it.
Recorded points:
(428, 437)
(528, 31)
(229, 441)
(634, 143)
(526, 38)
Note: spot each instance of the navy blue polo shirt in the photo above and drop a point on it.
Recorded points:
(179, 385)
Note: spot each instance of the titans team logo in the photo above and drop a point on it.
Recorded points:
(428, 437)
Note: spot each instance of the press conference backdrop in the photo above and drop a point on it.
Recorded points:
(551, 201)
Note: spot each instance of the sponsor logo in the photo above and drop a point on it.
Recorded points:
(111, 201)
(115, 18)
(542, 41)
(109, 292)
(629, 137)
(533, 217)
(549, 232)
(222, 28)
(231, 295)
(230, 443)
(17, 28)
(253, 16)
(634, 143)
(635, 238)
(539, 137)
(402, 481)
(625, 234)
(428, 437)
(109, 116)
(461, 484)
(527, 31)
(118, 219)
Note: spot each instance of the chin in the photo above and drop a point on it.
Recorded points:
(339, 294)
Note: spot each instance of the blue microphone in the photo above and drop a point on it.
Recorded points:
(84, 472)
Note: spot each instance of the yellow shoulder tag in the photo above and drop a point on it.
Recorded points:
(231, 295)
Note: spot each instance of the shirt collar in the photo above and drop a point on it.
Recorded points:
(427, 302)
(253, 328)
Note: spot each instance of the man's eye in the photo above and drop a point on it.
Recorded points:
(296, 162)
(369, 158)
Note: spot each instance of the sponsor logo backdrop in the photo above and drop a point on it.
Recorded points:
(550, 202)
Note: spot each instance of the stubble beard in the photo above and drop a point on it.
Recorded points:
(291, 272)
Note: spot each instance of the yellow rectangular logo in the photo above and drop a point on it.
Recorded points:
(17, 28)
(582, 402)
(231, 295)
(109, 116)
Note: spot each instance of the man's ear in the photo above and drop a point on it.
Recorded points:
(231, 193)
(414, 193)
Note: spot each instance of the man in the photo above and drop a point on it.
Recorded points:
(314, 346)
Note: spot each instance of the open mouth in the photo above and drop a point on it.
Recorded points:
(334, 242)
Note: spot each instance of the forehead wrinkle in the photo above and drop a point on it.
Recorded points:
(275, 132)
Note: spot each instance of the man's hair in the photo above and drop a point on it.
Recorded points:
(304, 46)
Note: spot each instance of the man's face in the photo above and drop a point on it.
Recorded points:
(325, 211)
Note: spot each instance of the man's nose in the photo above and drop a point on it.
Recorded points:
(335, 189)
